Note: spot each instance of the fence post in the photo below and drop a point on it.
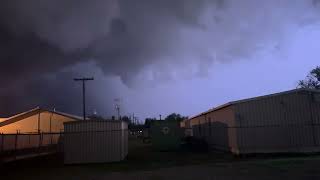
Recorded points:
(40, 139)
(16, 141)
(120, 140)
(51, 138)
(29, 135)
(2, 142)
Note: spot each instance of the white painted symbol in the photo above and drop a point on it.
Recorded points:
(165, 130)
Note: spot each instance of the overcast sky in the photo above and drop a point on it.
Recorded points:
(260, 75)
(158, 56)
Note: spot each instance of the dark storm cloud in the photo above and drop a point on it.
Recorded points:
(50, 92)
(39, 37)
(122, 37)
(43, 36)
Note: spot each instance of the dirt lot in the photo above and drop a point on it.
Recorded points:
(143, 163)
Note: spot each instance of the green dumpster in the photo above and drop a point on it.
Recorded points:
(166, 135)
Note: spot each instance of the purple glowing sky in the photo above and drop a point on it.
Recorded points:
(264, 73)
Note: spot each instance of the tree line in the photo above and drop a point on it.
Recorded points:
(312, 81)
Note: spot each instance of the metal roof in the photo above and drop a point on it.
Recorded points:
(3, 119)
(256, 98)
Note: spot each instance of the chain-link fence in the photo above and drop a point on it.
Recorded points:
(15, 142)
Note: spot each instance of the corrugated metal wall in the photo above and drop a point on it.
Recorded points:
(283, 123)
(217, 128)
(221, 134)
(95, 141)
(286, 122)
(30, 124)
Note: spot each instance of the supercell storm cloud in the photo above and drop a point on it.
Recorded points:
(40, 38)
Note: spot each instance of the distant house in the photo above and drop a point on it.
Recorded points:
(36, 120)
(283, 122)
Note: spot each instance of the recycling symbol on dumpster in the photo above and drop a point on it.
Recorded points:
(165, 130)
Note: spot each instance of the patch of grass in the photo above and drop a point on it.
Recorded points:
(287, 163)
(143, 157)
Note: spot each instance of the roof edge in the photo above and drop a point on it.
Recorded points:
(254, 98)
(26, 114)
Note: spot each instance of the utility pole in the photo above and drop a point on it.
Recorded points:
(84, 93)
(117, 106)
(136, 120)
(133, 118)
(160, 117)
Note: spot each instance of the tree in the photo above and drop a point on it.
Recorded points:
(175, 117)
(148, 121)
(126, 119)
(96, 117)
(312, 81)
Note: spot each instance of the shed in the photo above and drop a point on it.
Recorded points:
(278, 123)
(95, 141)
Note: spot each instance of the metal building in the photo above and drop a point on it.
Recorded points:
(283, 122)
(36, 121)
(34, 131)
(95, 141)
